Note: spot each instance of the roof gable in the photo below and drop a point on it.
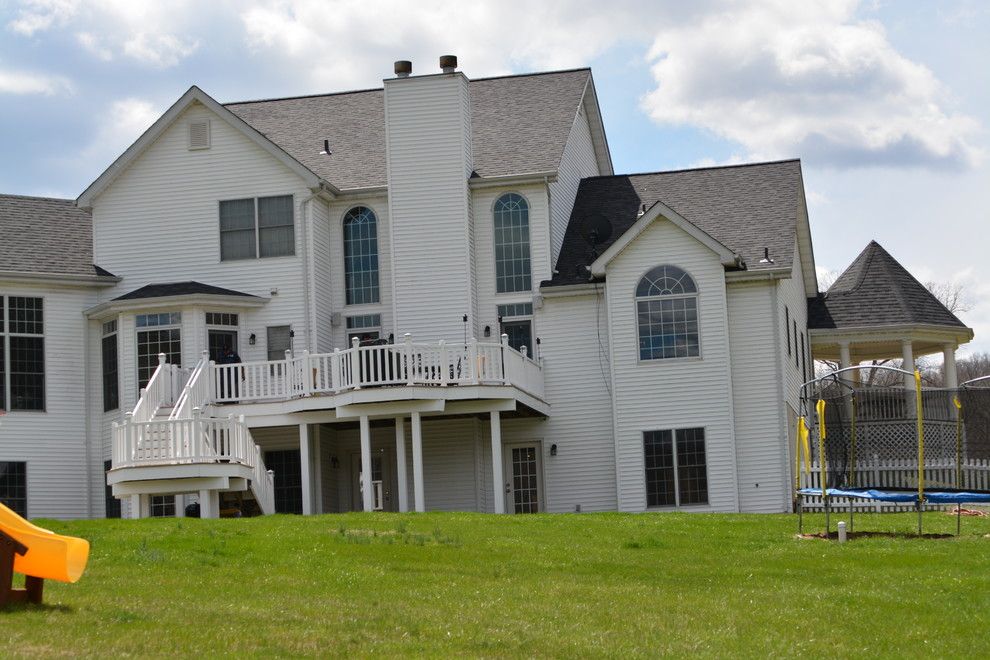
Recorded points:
(192, 96)
(745, 208)
(659, 210)
(876, 290)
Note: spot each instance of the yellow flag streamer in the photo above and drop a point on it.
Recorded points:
(801, 447)
(803, 434)
(820, 408)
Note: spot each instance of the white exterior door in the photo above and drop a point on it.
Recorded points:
(523, 473)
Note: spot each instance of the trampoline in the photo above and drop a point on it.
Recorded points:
(900, 445)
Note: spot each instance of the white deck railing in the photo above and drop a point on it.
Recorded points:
(174, 441)
(196, 391)
(359, 367)
(163, 388)
(262, 482)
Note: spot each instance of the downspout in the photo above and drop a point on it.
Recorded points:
(308, 271)
(88, 403)
(550, 254)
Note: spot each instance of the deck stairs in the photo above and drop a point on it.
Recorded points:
(173, 432)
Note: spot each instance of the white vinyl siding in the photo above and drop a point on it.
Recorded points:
(671, 394)
(577, 162)
(54, 443)
(791, 294)
(428, 140)
(159, 222)
(760, 446)
(577, 378)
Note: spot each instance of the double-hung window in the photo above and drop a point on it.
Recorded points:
(157, 333)
(22, 353)
(257, 227)
(676, 469)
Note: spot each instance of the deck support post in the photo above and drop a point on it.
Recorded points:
(209, 504)
(497, 477)
(367, 494)
(135, 507)
(419, 498)
(400, 463)
(306, 468)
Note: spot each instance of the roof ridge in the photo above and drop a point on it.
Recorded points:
(379, 89)
(50, 199)
(697, 169)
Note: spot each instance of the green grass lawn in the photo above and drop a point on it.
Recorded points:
(470, 584)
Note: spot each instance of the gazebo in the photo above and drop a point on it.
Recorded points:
(877, 310)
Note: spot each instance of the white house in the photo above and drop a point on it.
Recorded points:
(443, 299)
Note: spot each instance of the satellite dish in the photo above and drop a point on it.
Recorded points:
(596, 229)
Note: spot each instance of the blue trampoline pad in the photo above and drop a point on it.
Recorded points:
(931, 497)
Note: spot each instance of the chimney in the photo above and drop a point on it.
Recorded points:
(404, 67)
(448, 63)
(429, 161)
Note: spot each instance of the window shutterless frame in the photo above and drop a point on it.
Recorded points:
(698, 320)
(679, 460)
(258, 227)
(517, 260)
(362, 256)
(23, 337)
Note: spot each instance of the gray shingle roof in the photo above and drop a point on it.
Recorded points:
(519, 125)
(180, 289)
(744, 207)
(45, 235)
(876, 290)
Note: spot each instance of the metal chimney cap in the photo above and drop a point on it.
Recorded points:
(403, 68)
(448, 63)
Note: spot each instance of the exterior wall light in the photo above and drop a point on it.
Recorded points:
(253, 339)
(553, 450)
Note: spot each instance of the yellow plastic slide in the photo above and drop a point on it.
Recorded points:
(49, 556)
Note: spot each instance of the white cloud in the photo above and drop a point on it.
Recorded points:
(40, 15)
(811, 79)
(120, 124)
(152, 33)
(160, 50)
(356, 42)
(24, 82)
(94, 45)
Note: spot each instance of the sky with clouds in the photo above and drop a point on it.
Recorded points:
(886, 103)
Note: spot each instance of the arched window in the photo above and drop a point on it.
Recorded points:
(361, 256)
(512, 264)
(667, 310)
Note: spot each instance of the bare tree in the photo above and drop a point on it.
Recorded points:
(951, 294)
(974, 366)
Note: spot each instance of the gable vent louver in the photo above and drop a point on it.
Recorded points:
(199, 134)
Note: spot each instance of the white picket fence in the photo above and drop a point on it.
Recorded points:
(900, 475)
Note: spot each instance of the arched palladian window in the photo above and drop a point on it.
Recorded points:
(667, 310)
(361, 256)
(512, 263)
